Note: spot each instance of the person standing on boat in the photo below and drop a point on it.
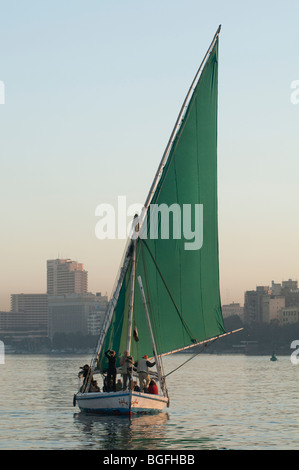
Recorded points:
(142, 370)
(127, 363)
(123, 363)
(111, 373)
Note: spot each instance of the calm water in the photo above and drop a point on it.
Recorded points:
(216, 402)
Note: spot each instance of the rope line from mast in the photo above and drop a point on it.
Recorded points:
(190, 358)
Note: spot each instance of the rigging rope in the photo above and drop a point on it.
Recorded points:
(194, 355)
(193, 339)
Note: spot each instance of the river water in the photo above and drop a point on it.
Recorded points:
(216, 402)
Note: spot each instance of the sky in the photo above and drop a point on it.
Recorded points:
(92, 92)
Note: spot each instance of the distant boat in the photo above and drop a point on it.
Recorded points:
(273, 358)
(167, 297)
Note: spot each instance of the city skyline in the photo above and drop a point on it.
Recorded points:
(88, 111)
(61, 275)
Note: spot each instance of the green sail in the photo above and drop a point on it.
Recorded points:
(181, 284)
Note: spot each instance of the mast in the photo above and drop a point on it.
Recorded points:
(134, 236)
(157, 360)
(131, 304)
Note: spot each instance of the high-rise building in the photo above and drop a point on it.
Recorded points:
(65, 276)
(31, 310)
(73, 313)
(253, 304)
(271, 306)
(290, 284)
(67, 307)
(265, 304)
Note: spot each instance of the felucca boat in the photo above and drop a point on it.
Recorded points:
(167, 298)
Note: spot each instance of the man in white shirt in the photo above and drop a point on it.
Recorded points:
(142, 370)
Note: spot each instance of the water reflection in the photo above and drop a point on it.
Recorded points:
(108, 432)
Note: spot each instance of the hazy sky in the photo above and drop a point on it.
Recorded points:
(92, 91)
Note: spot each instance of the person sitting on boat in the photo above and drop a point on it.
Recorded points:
(134, 386)
(94, 386)
(142, 370)
(153, 388)
(111, 372)
(127, 363)
(119, 385)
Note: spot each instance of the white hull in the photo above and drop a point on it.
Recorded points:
(127, 402)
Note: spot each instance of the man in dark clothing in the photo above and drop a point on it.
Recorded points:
(85, 372)
(111, 372)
